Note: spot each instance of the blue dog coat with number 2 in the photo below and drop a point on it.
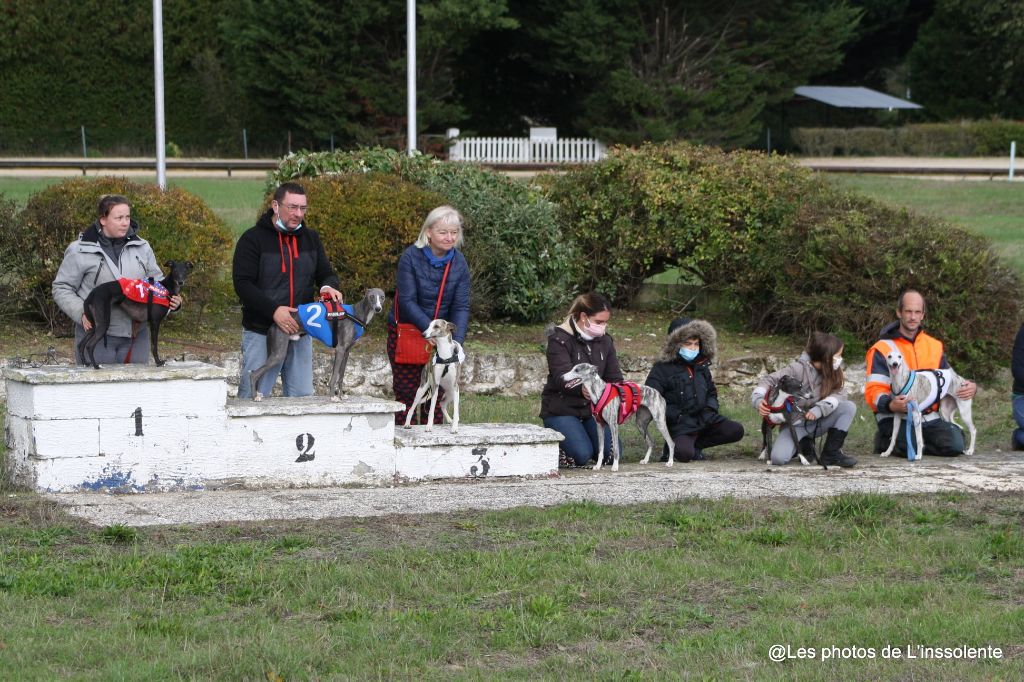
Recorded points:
(316, 319)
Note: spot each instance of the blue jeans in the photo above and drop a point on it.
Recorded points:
(580, 442)
(296, 371)
(1018, 416)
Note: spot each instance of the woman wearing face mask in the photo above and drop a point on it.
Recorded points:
(820, 371)
(582, 337)
(683, 377)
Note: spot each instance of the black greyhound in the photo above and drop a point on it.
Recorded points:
(344, 338)
(103, 297)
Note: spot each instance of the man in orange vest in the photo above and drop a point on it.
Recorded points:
(920, 351)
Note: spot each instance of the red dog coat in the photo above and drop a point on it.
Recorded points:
(138, 290)
(630, 396)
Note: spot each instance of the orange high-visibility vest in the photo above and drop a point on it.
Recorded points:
(924, 352)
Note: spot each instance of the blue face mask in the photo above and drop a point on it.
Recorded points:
(689, 354)
(280, 225)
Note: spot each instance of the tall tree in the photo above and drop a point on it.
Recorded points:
(633, 70)
(969, 59)
(339, 68)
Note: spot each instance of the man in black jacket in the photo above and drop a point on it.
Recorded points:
(278, 264)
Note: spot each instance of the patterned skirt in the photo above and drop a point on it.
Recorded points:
(405, 379)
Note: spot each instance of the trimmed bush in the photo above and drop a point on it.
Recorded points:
(644, 210)
(178, 226)
(787, 249)
(849, 257)
(964, 138)
(365, 222)
(521, 264)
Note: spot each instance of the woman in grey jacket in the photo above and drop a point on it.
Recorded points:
(819, 370)
(108, 250)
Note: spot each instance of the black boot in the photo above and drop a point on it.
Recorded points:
(832, 453)
(807, 449)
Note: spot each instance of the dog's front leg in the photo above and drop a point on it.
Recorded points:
(918, 420)
(338, 371)
(420, 394)
(455, 407)
(433, 401)
(613, 428)
(600, 445)
(895, 434)
(154, 332)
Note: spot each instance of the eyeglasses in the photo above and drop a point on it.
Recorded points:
(294, 207)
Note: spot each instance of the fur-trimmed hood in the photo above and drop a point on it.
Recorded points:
(701, 329)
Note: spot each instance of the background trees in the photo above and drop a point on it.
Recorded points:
(307, 73)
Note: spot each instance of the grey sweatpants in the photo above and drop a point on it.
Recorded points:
(841, 418)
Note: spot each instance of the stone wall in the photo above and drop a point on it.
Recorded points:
(369, 374)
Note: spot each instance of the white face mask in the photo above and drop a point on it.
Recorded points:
(837, 362)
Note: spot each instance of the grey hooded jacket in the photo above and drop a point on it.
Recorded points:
(86, 266)
(810, 378)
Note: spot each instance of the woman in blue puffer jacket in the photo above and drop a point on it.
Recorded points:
(421, 270)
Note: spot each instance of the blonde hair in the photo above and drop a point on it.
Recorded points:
(442, 214)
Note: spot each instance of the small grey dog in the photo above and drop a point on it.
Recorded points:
(345, 333)
(652, 408)
(442, 370)
(925, 387)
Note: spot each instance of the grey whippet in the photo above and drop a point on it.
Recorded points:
(652, 408)
(344, 336)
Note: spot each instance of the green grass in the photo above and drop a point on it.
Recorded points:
(235, 200)
(692, 589)
(993, 209)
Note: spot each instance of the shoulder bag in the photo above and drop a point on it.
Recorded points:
(411, 348)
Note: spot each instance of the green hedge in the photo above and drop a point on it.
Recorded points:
(522, 266)
(965, 138)
(178, 225)
(642, 211)
(789, 251)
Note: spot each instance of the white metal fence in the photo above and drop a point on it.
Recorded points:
(523, 150)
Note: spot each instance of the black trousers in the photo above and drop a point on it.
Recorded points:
(719, 433)
(941, 438)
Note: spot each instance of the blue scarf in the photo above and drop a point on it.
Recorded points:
(437, 262)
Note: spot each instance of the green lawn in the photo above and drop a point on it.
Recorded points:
(692, 589)
(235, 200)
(992, 208)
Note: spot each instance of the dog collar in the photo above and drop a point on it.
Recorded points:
(910, 384)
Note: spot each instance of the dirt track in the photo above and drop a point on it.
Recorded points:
(633, 484)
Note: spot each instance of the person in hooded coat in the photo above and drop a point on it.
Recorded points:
(107, 250)
(682, 376)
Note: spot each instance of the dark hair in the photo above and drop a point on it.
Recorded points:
(108, 202)
(288, 188)
(589, 303)
(899, 301)
(821, 348)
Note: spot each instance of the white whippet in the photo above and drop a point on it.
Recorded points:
(442, 370)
